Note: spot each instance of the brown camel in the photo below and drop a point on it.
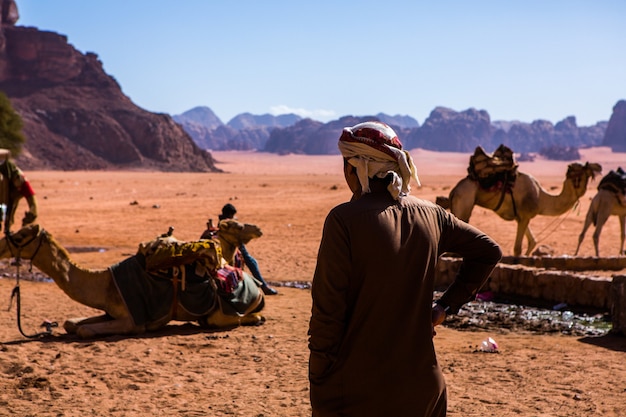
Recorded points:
(98, 289)
(525, 200)
(604, 204)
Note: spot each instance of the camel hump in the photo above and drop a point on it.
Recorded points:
(483, 165)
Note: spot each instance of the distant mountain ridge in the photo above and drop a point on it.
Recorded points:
(444, 130)
(247, 131)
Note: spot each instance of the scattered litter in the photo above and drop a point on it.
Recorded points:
(485, 296)
(489, 345)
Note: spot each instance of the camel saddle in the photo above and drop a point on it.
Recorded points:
(614, 181)
(493, 171)
(167, 274)
(166, 252)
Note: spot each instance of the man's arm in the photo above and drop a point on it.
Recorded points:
(480, 255)
(29, 194)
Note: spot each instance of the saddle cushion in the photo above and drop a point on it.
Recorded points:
(149, 296)
(614, 181)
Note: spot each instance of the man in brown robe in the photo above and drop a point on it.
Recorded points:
(373, 317)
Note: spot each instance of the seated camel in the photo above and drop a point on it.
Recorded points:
(522, 201)
(107, 289)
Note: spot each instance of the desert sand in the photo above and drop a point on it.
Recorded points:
(182, 370)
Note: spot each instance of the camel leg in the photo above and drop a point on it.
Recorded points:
(522, 227)
(530, 238)
(588, 221)
(71, 325)
(220, 320)
(601, 218)
(101, 325)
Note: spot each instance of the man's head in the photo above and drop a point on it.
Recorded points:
(374, 149)
(228, 212)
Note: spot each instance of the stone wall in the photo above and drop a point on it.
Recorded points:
(557, 286)
(618, 304)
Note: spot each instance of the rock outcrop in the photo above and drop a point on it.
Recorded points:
(449, 130)
(615, 135)
(244, 132)
(76, 116)
(315, 138)
(293, 139)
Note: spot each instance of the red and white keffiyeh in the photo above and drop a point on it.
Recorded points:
(375, 150)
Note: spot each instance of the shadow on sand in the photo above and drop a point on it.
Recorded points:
(610, 341)
(185, 329)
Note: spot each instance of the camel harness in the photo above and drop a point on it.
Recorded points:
(495, 172)
(15, 294)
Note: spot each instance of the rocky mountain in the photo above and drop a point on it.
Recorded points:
(244, 132)
(315, 138)
(445, 130)
(615, 136)
(251, 121)
(404, 122)
(448, 130)
(201, 116)
(75, 115)
(247, 131)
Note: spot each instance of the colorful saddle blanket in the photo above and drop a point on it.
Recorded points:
(191, 274)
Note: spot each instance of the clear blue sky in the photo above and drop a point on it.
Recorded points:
(519, 60)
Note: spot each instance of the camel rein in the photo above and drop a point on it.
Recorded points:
(16, 290)
(506, 190)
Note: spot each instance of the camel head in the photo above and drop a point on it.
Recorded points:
(232, 234)
(580, 174)
(236, 233)
(24, 243)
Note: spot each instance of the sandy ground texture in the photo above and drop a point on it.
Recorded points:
(182, 370)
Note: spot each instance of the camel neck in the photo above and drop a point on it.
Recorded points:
(80, 284)
(554, 205)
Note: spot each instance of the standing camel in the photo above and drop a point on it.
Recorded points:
(604, 204)
(99, 289)
(523, 201)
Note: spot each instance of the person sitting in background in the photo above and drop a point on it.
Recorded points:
(14, 186)
(228, 212)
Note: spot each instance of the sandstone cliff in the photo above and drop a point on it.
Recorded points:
(76, 116)
(615, 135)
